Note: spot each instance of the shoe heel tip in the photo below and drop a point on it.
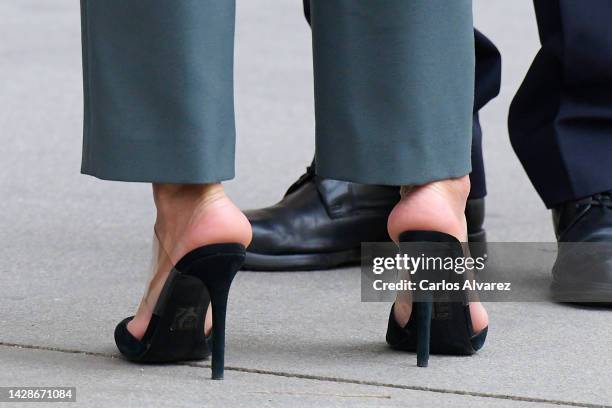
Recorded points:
(422, 363)
(217, 374)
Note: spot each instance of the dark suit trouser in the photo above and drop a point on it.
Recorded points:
(560, 121)
(488, 82)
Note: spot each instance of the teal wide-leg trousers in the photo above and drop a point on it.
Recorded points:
(394, 86)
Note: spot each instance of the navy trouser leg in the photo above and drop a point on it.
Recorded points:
(488, 82)
(560, 121)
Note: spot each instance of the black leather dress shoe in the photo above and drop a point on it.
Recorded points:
(583, 270)
(320, 224)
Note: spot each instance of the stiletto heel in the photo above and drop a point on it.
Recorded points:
(176, 330)
(423, 329)
(438, 323)
(218, 338)
(217, 274)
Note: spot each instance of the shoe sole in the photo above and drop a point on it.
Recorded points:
(328, 260)
(593, 295)
(301, 262)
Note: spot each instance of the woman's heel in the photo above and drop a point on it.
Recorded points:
(216, 266)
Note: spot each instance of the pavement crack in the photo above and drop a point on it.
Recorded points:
(340, 380)
(57, 349)
(322, 394)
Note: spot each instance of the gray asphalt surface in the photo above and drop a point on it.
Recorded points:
(74, 250)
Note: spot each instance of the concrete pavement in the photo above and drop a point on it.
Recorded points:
(74, 250)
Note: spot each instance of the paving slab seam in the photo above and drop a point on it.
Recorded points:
(341, 380)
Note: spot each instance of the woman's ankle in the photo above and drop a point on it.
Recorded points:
(168, 197)
(436, 206)
(190, 215)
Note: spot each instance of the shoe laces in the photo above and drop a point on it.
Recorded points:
(602, 200)
(304, 178)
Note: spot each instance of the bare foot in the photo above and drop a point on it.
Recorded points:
(188, 217)
(437, 206)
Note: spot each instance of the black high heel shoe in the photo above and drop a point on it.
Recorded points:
(176, 330)
(437, 324)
